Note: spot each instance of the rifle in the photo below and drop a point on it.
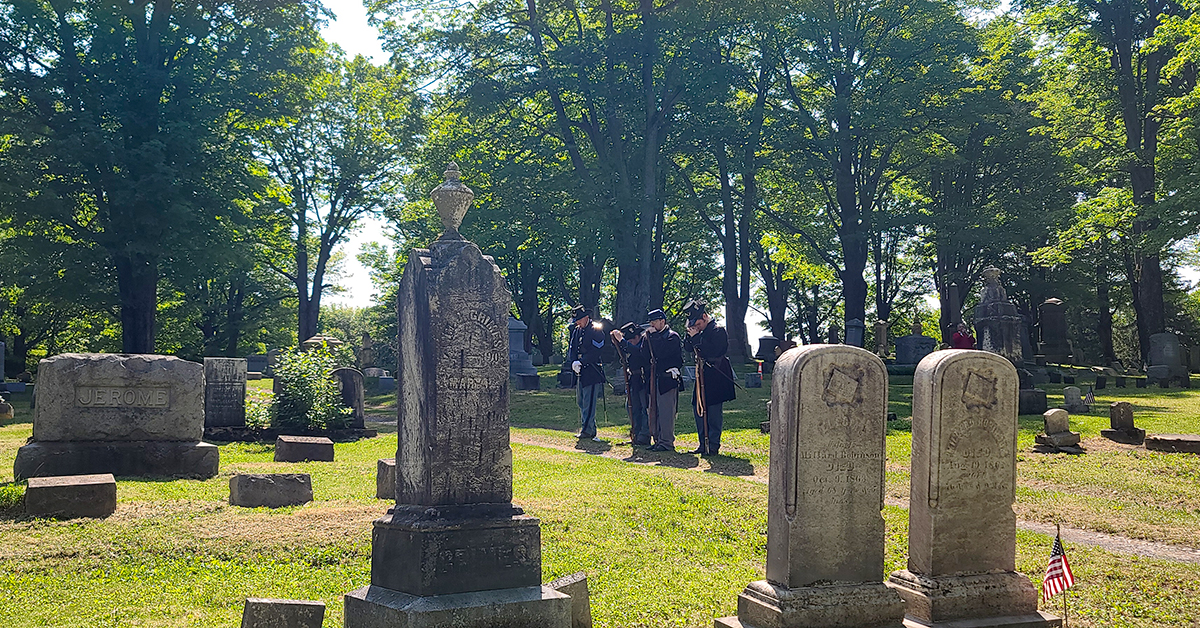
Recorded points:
(701, 406)
(653, 386)
(628, 386)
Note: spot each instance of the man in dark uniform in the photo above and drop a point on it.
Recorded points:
(632, 345)
(714, 375)
(583, 353)
(666, 358)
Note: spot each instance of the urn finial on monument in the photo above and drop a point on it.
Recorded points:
(452, 199)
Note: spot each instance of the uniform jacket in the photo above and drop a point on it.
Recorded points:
(667, 351)
(712, 344)
(638, 359)
(585, 347)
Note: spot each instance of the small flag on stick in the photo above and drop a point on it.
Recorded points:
(1058, 572)
(1090, 398)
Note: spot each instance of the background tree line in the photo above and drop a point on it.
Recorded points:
(180, 177)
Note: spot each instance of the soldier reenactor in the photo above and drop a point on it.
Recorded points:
(666, 358)
(631, 345)
(583, 353)
(709, 342)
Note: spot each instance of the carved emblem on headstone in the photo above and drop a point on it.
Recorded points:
(842, 386)
(979, 391)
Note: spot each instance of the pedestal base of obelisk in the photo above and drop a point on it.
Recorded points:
(767, 605)
(1005, 599)
(477, 566)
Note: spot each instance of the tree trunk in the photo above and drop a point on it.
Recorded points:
(235, 314)
(137, 283)
(1104, 324)
(1131, 278)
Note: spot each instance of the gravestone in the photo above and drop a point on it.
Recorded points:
(374, 371)
(1052, 332)
(1032, 401)
(454, 550)
(961, 525)
(766, 352)
(855, 332)
(350, 384)
(224, 392)
(1193, 359)
(1168, 364)
(1073, 400)
(269, 613)
(366, 352)
(386, 384)
(2, 356)
(997, 323)
(825, 493)
(1057, 432)
(520, 363)
(754, 380)
(1174, 443)
(272, 490)
(881, 339)
(303, 449)
(385, 479)
(575, 585)
(71, 496)
(834, 336)
(6, 410)
(256, 363)
(125, 414)
(913, 348)
(1121, 427)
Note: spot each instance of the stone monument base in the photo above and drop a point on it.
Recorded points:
(1129, 436)
(971, 601)
(1059, 439)
(456, 549)
(767, 605)
(120, 458)
(523, 607)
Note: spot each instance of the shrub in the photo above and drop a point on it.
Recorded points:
(258, 407)
(307, 397)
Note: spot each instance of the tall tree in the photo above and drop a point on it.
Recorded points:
(133, 110)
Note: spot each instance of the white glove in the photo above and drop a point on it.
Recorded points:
(673, 372)
(577, 366)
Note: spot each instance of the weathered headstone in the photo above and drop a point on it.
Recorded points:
(350, 383)
(961, 525)
(824, 528)
(1121, 427)
(454, 528)
(268, 613)
(125, 414)
(366, 352)
(224, 392)
(1057, 434)
(913, 348)
(385, 479)
(71, 496)
(835, 335)
(303, 449)
(1166, 351)
(272, 490)
(6, 410)
(881, 339)
(1032, 401)
(256, 363)
(386, 384)
(855, 332)
(1054, 345)
(766, 351)
(519, 361)
(754, 380)
(575, 585)
(997, 323)
(1073, 400)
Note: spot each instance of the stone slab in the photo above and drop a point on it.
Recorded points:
(120, 458)
(303, 448)
(385, 479)
(423, 552)
(1034, 620)
(224, 392)
(272, 490)
(270, 613)
(71, 496)
(1177, 443)
(1128, 436)
(523, 607)
(866, 605)
(1058, 439)
(575, 585)
(983, 597)
(271, 434)
(528, 381)
(114, 397)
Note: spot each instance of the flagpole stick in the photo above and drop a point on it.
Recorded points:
(1058, 535)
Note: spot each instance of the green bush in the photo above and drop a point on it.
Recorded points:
(307, 398)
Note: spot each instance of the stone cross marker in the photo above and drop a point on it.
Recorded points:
(224, 392)
(962, 531)
(828, 421)
(454, 528)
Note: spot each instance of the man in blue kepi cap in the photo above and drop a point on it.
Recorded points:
(714, 375)
(583, 353)
(666, 358)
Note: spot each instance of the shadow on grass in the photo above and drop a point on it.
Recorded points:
(730, 466)
(590, 446)
(665, 459)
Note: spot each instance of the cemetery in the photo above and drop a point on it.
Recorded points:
(367, 314)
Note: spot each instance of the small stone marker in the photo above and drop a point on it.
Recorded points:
(273, 490)
(1068, 379)
(350, 383)
(753, 380)
(1174, 443)
(385, 479)
(1055, 377)
(962, 529)
(1073, 400)
(70, 496)
(302, 448)
(824, 528)
(1121, 428)
(267, 613)
(575, 585)
(387, 384)
(224, 392)
(1058, 434)
(1032, 401)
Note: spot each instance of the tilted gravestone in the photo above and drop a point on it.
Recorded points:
(125, 414)
(225, 392)
(824, 527)
(454, 529)
(962, 531)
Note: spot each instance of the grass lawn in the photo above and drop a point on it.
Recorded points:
(662, 546)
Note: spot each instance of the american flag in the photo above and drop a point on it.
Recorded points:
(1090, 398)
(1058, 572)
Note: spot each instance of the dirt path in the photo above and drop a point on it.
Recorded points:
(734, 467)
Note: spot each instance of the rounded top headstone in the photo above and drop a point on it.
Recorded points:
(917, 328)
(452, 200)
